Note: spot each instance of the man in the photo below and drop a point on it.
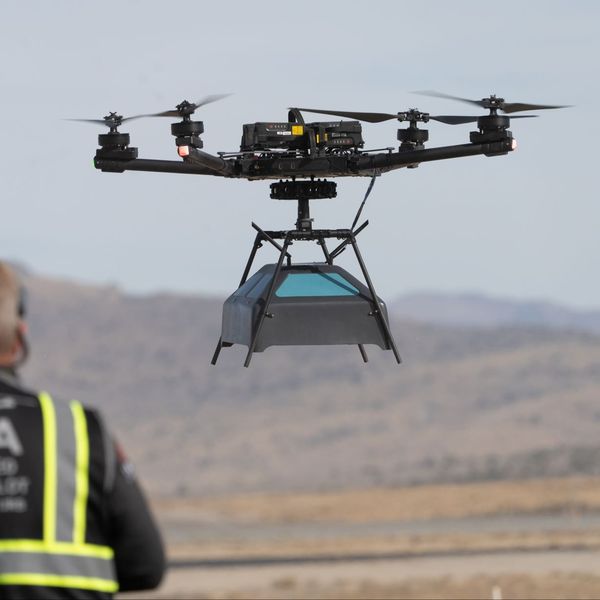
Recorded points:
(73, 521)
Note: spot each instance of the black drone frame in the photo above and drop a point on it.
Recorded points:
(116, 157)
(492, 139)
(198, 162)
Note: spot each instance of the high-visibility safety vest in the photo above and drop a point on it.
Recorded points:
(61, 558)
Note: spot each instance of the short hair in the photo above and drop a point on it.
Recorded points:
(9, 306)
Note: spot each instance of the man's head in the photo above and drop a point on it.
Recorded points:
(12, 326)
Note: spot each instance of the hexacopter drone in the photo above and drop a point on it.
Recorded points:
(316, 303)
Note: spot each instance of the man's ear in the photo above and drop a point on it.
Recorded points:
(21, 344)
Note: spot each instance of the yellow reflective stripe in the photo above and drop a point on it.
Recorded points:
(49, 418)
(69, 581)
(57, 548)
(81, 472)
(23, 561)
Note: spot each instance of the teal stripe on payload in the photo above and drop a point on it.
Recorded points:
(305, 285)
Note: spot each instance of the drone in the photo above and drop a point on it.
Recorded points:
(318, 303)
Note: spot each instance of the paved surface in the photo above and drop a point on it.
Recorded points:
(371, 557)
(210, 580)
(197, 577)
(178, 531)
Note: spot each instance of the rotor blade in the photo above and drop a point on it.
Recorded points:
(453, 119)
(165, 113)
(460, 119)
(435, 94)
(98, 121)
(511, 107)
(209, 99)
(369, 117)
(106, 122)
(506, 107)
(192, 107)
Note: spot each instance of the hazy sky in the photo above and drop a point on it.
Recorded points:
(524, 225)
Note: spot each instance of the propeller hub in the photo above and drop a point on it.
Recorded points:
(112, 121)
(186, 109)
(413, 116)
(493, 104)
(494, 100)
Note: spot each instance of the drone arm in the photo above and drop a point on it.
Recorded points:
(396, 160)
(215, 164)
(144, 164)
(198, 162)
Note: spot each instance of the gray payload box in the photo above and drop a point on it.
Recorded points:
(311, 304)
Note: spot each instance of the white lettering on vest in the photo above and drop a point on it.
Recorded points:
(9, 438)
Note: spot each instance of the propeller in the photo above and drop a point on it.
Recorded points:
(369, 117)
(112, 120)
(373, 117)
(186, 109)
(493, 103)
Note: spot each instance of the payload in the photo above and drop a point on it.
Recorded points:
(307, 304)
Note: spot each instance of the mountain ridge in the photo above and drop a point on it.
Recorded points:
(467, 402)
(482, 310)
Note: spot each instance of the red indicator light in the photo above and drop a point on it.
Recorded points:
(183, 151)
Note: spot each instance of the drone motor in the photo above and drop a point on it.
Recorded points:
(115, 144)
(186, 131)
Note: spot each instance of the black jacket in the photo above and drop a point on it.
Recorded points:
(117, 515)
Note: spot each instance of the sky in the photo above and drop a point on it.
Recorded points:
(523, 226)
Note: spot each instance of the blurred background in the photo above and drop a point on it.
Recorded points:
(469, 471)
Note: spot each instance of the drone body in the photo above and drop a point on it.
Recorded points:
(300, 156)
(295, 149)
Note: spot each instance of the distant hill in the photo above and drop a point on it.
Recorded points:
(467, 402)
(478, 310)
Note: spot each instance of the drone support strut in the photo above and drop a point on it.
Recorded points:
(265, 313)
(304, 232)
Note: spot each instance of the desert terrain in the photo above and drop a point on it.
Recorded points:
(491, 399)
(472, 470)
(525, 539)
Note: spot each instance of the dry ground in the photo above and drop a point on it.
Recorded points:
(403, 503)
(563, 562)
(572, 497)
(539, 576)
(523, 587)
